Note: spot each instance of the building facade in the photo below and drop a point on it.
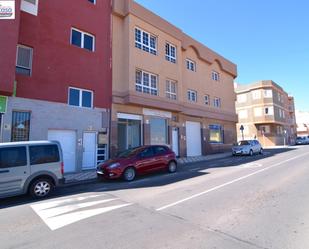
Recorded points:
(167, 87)
(302, 120)
(266, 112)
(56, 75)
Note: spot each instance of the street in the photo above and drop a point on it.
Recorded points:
(233, 203)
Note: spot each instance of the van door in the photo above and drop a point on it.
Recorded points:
(14, 170)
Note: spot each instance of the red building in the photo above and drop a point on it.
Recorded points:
(56, 71)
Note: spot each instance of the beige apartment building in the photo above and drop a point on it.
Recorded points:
(266, 112)
(167, 87)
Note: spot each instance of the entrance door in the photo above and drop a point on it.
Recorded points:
(193, 135)
(67, 140)
(175, 142)
(89, 150)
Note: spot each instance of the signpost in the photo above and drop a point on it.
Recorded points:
(242, 131)
(3, 104)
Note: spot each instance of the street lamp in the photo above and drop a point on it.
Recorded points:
(284, 137)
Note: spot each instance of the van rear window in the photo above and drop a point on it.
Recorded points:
(40, 154)
(13, 157)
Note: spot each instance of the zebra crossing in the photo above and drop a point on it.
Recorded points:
(65, 211)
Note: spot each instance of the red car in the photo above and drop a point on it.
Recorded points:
(138, 161)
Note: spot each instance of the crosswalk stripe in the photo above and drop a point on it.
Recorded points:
(51, 212)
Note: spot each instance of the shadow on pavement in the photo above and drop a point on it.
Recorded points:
(184, 172)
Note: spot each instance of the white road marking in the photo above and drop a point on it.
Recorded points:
(228, 183)
(57, 214)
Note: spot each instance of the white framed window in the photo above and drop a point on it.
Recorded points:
(215, 76)
(30, 6)
(257, 111)
(82, 39)
(268, 93)
(191, 65)
(170, 52)
(256, 94)
(242, 98)
(145, 41)
(171, 89)
(24, 60)
(242, 114)
(279, 97)
(269, 110)
(146, 82)
(206, 99)
(217, 102)
(192, 95)
(80, 97)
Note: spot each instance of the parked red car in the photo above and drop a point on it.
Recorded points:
(138, 161)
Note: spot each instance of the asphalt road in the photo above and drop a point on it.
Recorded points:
(231, 203)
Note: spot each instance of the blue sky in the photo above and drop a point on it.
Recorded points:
(266, 39)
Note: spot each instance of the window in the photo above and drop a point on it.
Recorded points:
(242, 98)
(215, 133)
(13, 157)
(268, 93)
(264, 129)
(170, 52)
(159, 150)
(279, 130)
(171, 89)
(256, 94)
(258, 112)
(80, 97)
(30, 6)
(206, 99)
(242, 114)
(92, 1)
(215, 76)
(191, 65)
(40, 154)
(158, 131)
(146, 82)
(145, 41)
(82, 39)
(148, 152)
(217, 102)
(192, 95)
(24, 60)
(269, 110)
(20, 126)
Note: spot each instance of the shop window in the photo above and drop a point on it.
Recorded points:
(215, 133)
(158, 131)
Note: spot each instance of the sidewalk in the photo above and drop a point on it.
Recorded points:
(90, 175)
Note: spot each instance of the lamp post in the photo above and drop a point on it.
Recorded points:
(284, 137)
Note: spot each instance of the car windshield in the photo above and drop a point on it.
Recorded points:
(128, 153)
(243, 143)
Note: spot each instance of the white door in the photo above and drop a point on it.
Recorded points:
(193, 138)
(175, 143)
(89, 150)
(67, 140)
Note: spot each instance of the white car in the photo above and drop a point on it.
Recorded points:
(247, 147)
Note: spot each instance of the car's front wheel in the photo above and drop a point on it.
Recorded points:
(261, 151)
(41, 188)
(251, 153)
(129, 174)
(172, 167)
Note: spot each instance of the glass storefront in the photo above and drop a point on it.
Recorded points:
(129, 133)
(215, 134)
(158, 131)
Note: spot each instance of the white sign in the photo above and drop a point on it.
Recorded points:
(157, 113)
(7, 9)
